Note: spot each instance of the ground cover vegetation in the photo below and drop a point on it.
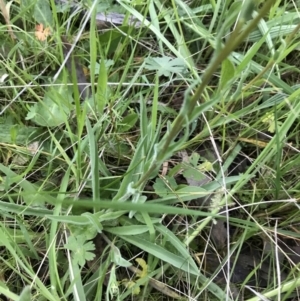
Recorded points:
(149, 150)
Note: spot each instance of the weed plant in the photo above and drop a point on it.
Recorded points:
(176, 168)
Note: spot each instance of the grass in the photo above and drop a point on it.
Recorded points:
(176, 177)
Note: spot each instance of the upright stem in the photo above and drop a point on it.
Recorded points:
(236, 38)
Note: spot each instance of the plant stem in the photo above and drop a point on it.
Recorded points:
(236, 38)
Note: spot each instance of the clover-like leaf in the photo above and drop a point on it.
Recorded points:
(80, 249)
(165, 65)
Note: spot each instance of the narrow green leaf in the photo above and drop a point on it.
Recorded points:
(5, 291)
(94, 160)
(76, 282)
(26, 210)
(172, 238)
(76, 220)
(102, 87)
(127, 230)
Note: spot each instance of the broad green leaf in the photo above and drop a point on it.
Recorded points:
(137, 162)
(75, 220)
(83, 219)
(127, 230)
(189, 193)
(103, 89)
(42, 13)
(173, 239)
(128, 122)
(94, 221)
(50, 113)
(194, 174)
(227, 73)
(184, 263)
(164, 187)
(194, 159)
(15, 134)
(247, 10)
